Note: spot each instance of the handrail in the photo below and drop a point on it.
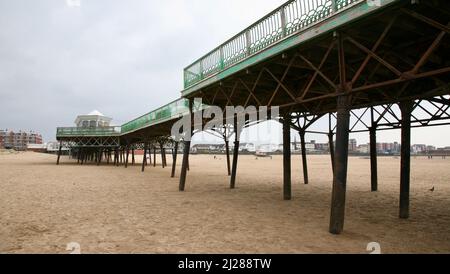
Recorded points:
(170, 110)
(288, 19)
(80, 131)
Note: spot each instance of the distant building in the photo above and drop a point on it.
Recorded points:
(247, 147)
(419, 148)
(352, 145)
(322, 146)
(18, 140)
(364, 149)
(207, 148)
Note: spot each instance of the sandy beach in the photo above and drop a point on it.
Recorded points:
(108, 209)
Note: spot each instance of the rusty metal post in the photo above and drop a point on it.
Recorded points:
(304, 159)
(174, 161)
(405, 165)
(287, 191)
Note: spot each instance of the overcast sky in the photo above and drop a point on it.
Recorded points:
(124, 58)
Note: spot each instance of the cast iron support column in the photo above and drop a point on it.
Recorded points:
(149, 156)
(154, 156)
(227, 153)
(331, 148)
(405, 165)
(100, 154)
(174, 161)
(144, 159)
(287, 192)
(304, 160)
(373, 159)
(340, 167)
(187, 148)
(126, 159)
(163, 164)
(133, 160)
(235, 154)
(341, 153)
(59, 152)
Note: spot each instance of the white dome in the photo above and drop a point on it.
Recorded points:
(96, 113)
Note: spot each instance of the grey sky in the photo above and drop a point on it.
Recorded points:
(123, 58)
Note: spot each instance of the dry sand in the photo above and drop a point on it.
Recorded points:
(116, 210)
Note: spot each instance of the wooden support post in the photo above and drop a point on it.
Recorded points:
(373, 159)
(405, 165)
(174, 161)
(287, 192)
(59, 153)
(304, 159)
(227, 153)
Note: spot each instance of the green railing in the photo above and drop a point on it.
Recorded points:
(173, 110)
(94, 132)
(291, 18)
(170, 111)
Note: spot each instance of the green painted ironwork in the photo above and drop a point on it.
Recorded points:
(171, 111)
(88, 132)
(287, 20)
